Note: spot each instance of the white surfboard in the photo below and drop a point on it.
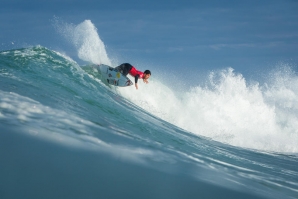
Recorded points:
(113, 77)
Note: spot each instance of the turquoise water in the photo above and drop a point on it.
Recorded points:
(66, 134)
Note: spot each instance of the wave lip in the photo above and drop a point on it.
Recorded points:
(86, 40)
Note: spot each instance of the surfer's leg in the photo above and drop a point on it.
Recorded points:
(124, 68)
(119, 68)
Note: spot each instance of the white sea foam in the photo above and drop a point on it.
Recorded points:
(85, 38)
(229, 109)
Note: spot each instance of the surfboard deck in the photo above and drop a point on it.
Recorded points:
(113, 77)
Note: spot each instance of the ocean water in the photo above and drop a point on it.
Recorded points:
(64, 133)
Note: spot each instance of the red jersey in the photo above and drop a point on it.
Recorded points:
(135, 73)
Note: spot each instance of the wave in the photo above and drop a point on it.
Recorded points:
(227, 108)
(49, 96)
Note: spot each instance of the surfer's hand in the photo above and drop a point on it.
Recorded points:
(136, 85)
(145, 81)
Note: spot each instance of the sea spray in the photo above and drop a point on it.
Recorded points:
(228, 109)
(84, 37)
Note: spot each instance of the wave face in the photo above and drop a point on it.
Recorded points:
(60, 124)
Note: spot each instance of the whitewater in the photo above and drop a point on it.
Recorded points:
(65, 133)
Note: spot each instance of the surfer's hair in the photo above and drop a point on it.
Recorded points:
(147, 72)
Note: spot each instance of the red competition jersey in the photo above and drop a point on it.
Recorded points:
(135, 73)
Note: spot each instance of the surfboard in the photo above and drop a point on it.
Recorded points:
(113, 77)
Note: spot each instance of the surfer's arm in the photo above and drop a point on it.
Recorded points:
(136, 81)
(136, 78)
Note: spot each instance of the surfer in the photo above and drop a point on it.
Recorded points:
(127, 68)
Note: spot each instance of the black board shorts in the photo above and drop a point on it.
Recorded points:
(124, 68)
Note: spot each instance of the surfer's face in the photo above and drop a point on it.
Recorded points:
(146, 76)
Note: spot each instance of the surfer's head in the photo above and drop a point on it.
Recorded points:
(147, 74)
